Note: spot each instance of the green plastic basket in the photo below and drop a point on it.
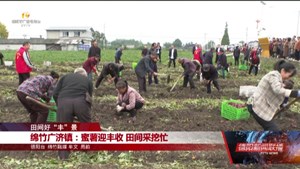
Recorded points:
(134, 65)
(232, 113)
(51, 113)
(243, 67)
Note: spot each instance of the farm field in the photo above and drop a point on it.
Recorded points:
(180, 110)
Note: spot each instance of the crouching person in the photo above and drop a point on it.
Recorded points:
(198, 68)
(287, 84)
(210, 74)
(73, 98)
(111, 69)
(90, 66)
(189, 72)
(129, 100)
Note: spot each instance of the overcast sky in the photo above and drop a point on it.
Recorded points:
(154, 21)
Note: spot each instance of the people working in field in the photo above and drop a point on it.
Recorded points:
(189, 72)
(129, 100)
(153, 64)
(198, 68)
(254, 61)
(94, 50)
(236, 55)
(270, 94)
(143, 67)
(198, 53)
(210, 74)
(1, 59)
(73, 98)
(118, 55)
(222, 62)
(23, 63)
(287, 84)
(111, 69)
(172, 56)
(144, 51)
(90, 65)
(208, 56)
(158, 51)
(40, 88)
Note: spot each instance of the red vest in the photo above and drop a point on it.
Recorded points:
(21, 66)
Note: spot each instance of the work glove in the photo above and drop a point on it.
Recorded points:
(119, 108)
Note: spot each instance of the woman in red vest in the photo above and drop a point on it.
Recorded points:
(198, 54)
(23, 63)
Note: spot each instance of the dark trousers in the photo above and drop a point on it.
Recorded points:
(38, 114)
(67, 108)
(267, 125)
(245, 61)
(223, 69)
(215, 83)
(297, 55)
(174, 62)
(117, 60)
(142, 83)
(189, 79)
(271, 52)
(274, 55)
(23, 77)
(102, 76)
(236, 61)
(138, 105)
(150, 75)
(1, 61)
(255, 69)
(159, 56)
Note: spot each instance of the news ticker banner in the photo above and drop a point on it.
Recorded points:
(88, 136)
(243, 147)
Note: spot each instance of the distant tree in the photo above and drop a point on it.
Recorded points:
(241, 42)
(100, 37)
(189, 45)
(177, 43)
(167, 45)
(126, 42)
(225, 40)
(209, 45)
(3, 31)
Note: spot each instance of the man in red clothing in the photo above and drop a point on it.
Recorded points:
(90, 65)
(23, 63)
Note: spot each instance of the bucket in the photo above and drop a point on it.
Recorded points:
(247, 91)
(8, 63)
